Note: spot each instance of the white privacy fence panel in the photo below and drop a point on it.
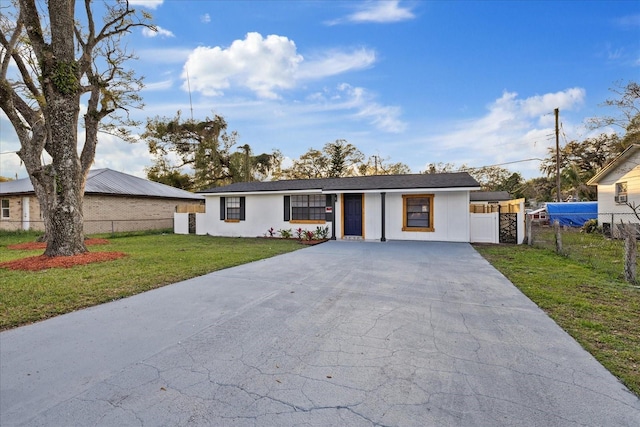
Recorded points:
(201, 225)
(181, 223)
(484, 228)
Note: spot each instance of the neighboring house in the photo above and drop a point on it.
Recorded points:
(618, 184)
(113, 201)
(381, 207)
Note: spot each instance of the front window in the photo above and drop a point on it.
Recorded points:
(233, 208)
(417, 212)
(5, 209)
(308, 207)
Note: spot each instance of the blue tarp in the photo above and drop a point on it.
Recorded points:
(572, 214)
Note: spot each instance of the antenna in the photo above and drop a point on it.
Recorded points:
(189, 87)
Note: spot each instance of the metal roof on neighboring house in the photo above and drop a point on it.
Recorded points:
(110, 182)
(372, 182)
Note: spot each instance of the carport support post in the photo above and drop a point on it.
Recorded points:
(333, 216)
(382, 199)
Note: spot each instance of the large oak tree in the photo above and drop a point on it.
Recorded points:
(206, 148)
(55, 55)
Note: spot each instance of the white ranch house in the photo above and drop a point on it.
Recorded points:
(399, 207)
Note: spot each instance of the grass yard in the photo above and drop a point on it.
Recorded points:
(583, 293)
(152, 260)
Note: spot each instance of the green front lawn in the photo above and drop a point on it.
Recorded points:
(152, 260)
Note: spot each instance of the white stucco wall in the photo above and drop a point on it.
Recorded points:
(263, 211)
(450, 218)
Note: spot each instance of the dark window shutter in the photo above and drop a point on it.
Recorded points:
(328, 216)
(222, 209)
(242, 209)
(287, 208)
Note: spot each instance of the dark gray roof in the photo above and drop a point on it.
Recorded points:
(376, 182)
(489, 196)
(109, 182)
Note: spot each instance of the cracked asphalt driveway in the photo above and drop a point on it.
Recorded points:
(343, 333)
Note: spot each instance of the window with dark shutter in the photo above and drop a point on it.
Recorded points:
(222, 209)
(287, 208)
(242, 208)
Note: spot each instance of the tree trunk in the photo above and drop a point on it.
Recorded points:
(64, 222)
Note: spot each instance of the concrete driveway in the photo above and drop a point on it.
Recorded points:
(344, 333)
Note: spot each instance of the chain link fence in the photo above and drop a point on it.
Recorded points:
(102, 226)
(602, 245)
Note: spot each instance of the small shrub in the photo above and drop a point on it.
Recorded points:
(309, 235)
(285, 234)
(322, 232)
(299, 233)
(271, 232)
(590, 226)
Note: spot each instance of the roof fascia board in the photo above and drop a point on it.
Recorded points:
(254, 193)
(405, 190)
(613, 165)
(356, 191)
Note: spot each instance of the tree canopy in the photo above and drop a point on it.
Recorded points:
(55, 56)
(339, 159)
(205, 149)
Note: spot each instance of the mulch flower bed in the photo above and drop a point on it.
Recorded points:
(43, 262)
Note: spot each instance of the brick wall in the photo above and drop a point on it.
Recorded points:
(106, 214)
(14, 222)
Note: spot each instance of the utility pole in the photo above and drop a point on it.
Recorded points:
(557, 113)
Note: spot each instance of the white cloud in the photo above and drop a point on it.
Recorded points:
(513, 129)
(265, 65)
(160, 85)
(157, 31)
(206, 18)
(629, 22)
(151, 4)
(114, 153)
(361, 104)
(377, 11)
(335, 62)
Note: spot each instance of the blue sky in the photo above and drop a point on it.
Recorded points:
(418, 82)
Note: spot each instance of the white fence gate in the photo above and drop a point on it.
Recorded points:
(182, 225)
(484, 227)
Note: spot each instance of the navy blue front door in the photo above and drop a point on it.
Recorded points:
(353, 214)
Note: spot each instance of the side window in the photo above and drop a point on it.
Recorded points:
(232, 209)
(417, 212)
(5, 209)
(621, 192)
